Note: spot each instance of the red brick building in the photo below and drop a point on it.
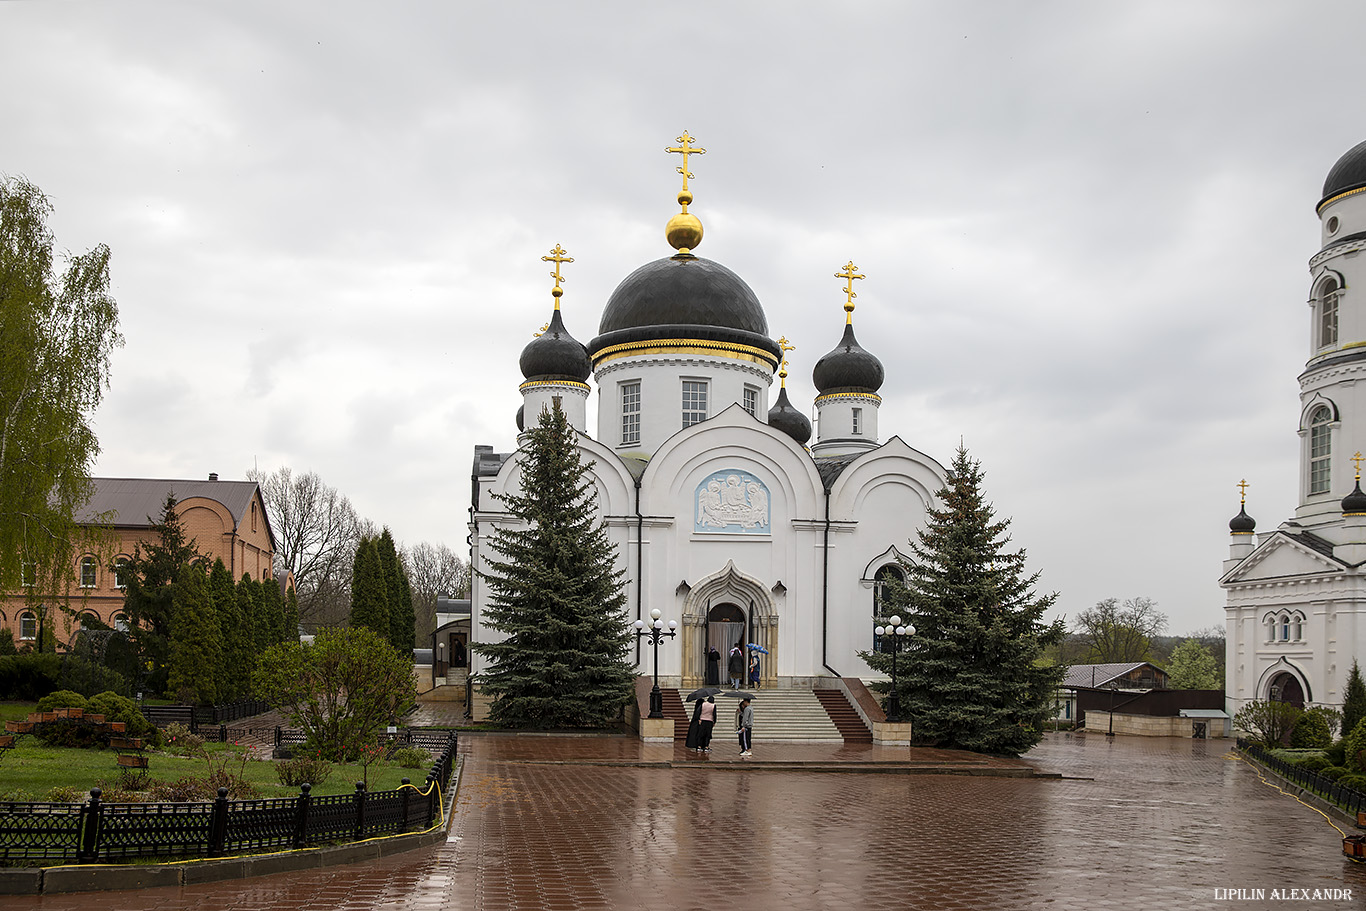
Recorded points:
(226, 519)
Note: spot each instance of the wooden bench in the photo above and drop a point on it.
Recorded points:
(130, 750)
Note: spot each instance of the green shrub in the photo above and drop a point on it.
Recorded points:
(120, 708)
(29, 677)
(294, 772)
(90, 677)
(1336, 753)
(180, 739)
(1334, 772)
(412, 757)
(1314, 763)
(1356, 748)
(1313, 730)
(65, 793)
(7, 642)
(61, 699)
(1355, 780)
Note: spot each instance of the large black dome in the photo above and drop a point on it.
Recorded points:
(555, 355)
(684, 297)
(1348, 174)
(848, 368)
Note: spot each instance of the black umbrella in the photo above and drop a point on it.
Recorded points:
(737, 694)
(702, 693)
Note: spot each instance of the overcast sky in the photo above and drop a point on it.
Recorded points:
(1084, 226)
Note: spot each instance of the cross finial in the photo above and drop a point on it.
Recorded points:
(685, 149)
(849, 274)
(785, 346)
(557, 256)
(1242, 491)
(1358, 459)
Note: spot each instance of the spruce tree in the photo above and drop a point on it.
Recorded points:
(235, 678)
(273, 604)
(971, 678)
(1353, 700)
(291, 632)
(556, 596)
(402, 621)
(196, 642)
(148, 598)
(369, 597)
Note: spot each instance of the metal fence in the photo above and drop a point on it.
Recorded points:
(196, 716)
(1349, 799)
(99, 832)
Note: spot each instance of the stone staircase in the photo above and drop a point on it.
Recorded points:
(794, 715)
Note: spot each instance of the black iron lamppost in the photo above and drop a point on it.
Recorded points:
(899, 635)
(655, 630)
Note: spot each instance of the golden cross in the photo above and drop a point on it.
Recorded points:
(1358, 459)
(1242, 489)
(849, 274)
(785, 346)
(685, 148)
(557, 256)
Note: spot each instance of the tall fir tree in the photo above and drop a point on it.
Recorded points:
(273, 608)
(238, 655)
(402, 621)
(971, 678)
(148, 597)
(556, 595)
(1353, 700)
(248, 601)
(291, 631)
(196, 641)
(369, 595)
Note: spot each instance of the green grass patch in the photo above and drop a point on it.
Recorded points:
(33, 771)
(16, 711)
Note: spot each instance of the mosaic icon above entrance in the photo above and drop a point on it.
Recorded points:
(732, 502)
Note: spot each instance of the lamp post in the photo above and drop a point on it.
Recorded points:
(655, 631)
(899, 635)
(441, 659)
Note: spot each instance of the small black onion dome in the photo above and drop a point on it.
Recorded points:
(848, 368)
(555, 355)
(1349, 173)
(684, 297)
(1242, 523)
(782, 416)
(521, 417)
(1355, 502)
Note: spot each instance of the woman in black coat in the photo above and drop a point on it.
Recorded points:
(694, 741)
(713, 667)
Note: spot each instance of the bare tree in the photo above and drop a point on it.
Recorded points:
(316, 531)
(1119, 633)
(434, 571)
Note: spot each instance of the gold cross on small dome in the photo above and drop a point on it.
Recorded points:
(1242, 490)
(849, 274)
(557, 256)
(785, 346)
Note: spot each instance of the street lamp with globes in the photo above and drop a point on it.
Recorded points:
(655, 630)
(899, 634)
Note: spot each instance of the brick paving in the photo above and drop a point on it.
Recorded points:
(602, 823)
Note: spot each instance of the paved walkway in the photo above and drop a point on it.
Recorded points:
(600, 823)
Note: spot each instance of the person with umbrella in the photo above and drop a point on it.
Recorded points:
(735, 666)
(754, 669)
(706, 721)
(694, 741)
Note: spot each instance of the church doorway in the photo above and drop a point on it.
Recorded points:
(1286, 688)
(725, 630)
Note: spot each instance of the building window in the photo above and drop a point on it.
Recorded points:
(1285, 629)
(752, 400)
(28, 625)
(881, 611)
(120, 572)
(630, 412)
(1320, 450)
(27, 574)
(694, 402)
(121, 622)
(1328, 314)
(253, 516)
(857, 415)
(87, 572)
(1298, 628)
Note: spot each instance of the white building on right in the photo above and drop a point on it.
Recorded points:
(1296, 609)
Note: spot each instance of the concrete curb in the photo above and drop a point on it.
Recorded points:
(118, 877)
(750, 765)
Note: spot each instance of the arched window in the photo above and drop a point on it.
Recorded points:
(121, 622)
(87, 572)
(1297, 626)
(253, 516)
(120, 572)
(1320, 450)
(28, 626)
(1285, 628)
(889, 573)
(1328, 313)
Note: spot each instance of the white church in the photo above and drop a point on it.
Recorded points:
(725, 517)
(1296, 608)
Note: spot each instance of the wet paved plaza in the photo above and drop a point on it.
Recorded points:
(569, 823)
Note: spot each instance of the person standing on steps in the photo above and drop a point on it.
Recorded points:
(754, 671)
(713, 667)
(735, 667)
(706, 721)
(744, 726)
(694, 741)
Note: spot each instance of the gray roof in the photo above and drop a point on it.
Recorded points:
(1079, 675)
(137, 502)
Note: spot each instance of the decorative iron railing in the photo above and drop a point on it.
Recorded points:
(1349, 799)
(99, 832)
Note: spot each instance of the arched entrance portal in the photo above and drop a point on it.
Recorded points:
(1286, 688)
(726, 630)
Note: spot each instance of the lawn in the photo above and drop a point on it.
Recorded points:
(32, 770)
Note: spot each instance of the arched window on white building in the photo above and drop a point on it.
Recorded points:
(1320, 450)
(1327, 320)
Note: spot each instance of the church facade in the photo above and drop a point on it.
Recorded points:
(1296, 608)
(722, 516)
